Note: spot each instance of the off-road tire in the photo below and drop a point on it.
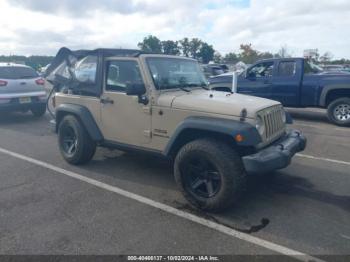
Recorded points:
(85, 146)
(229, 165)
(38, 111)
(331, 111)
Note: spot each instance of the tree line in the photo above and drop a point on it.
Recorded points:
(36, 62)
(204, 52)
(200, 50)
(194, 48)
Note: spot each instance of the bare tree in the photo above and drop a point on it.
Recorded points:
(284, 52)
(326, 57)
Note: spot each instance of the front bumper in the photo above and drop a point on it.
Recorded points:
(277, 156)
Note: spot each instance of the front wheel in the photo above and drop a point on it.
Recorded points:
(76, 145)
(339, 112)
(210, 174)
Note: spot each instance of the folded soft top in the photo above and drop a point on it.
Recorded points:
(69, 67)
(64, 54)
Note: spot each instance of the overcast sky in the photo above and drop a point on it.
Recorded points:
(43, 26)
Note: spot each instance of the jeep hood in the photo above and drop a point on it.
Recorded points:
(215, 102)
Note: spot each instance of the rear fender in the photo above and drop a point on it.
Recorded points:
(84, 115)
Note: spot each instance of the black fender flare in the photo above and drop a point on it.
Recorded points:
(85, 116)
(216, 125)
(329, 88)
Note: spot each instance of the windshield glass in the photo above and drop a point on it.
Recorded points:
(170, 73)
(13, 72)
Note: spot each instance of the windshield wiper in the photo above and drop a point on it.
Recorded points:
(182, 87)
(202, 85)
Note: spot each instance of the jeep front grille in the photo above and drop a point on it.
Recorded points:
(274, 125)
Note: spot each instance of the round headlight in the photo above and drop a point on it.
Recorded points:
(260, 125)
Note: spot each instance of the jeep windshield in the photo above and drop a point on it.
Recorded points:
(173, 73)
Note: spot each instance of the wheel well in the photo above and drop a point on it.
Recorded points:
(60, 115)
(189, 135)
(335, 94)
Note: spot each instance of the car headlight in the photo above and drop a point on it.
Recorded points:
(260, 125)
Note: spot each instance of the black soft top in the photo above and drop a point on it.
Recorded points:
(66, 60)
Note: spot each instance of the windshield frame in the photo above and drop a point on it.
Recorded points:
(188, 86)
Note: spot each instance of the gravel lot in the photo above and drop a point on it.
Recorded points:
(304, 208)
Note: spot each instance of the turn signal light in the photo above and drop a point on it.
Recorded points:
(239, 138)
(3, 83)
(40, 82)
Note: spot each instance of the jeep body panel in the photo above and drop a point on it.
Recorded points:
(155, 124)
(161, 105)
(221, 103)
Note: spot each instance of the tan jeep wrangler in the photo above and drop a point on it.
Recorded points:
(129, 100)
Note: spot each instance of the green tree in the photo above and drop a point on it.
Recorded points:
(248, 55)
(34, 61)
(151, 44)
(195, 47)
(185, 46)
(206, 53)
(265, 55)
(231, 58)
(170, 47)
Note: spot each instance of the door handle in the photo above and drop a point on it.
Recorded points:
(106, 101)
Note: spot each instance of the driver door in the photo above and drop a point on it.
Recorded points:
(124, 119)
(258, 80)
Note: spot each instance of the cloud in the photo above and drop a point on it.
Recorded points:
(267, 24)
(78, 8)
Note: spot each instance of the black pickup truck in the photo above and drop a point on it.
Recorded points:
(295, 82)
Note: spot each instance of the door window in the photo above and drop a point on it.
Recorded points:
(121, 73)
(261, 70)
(287, 68)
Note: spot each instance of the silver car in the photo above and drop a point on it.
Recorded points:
(21, 89)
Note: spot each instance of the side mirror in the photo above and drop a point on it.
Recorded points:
(133, 89)
(137, 90)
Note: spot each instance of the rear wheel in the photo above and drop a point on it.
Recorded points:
(210, 174)
(39, 111)
(76, 145)
(339, 112)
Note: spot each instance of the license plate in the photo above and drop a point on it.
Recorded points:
(25, 100)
